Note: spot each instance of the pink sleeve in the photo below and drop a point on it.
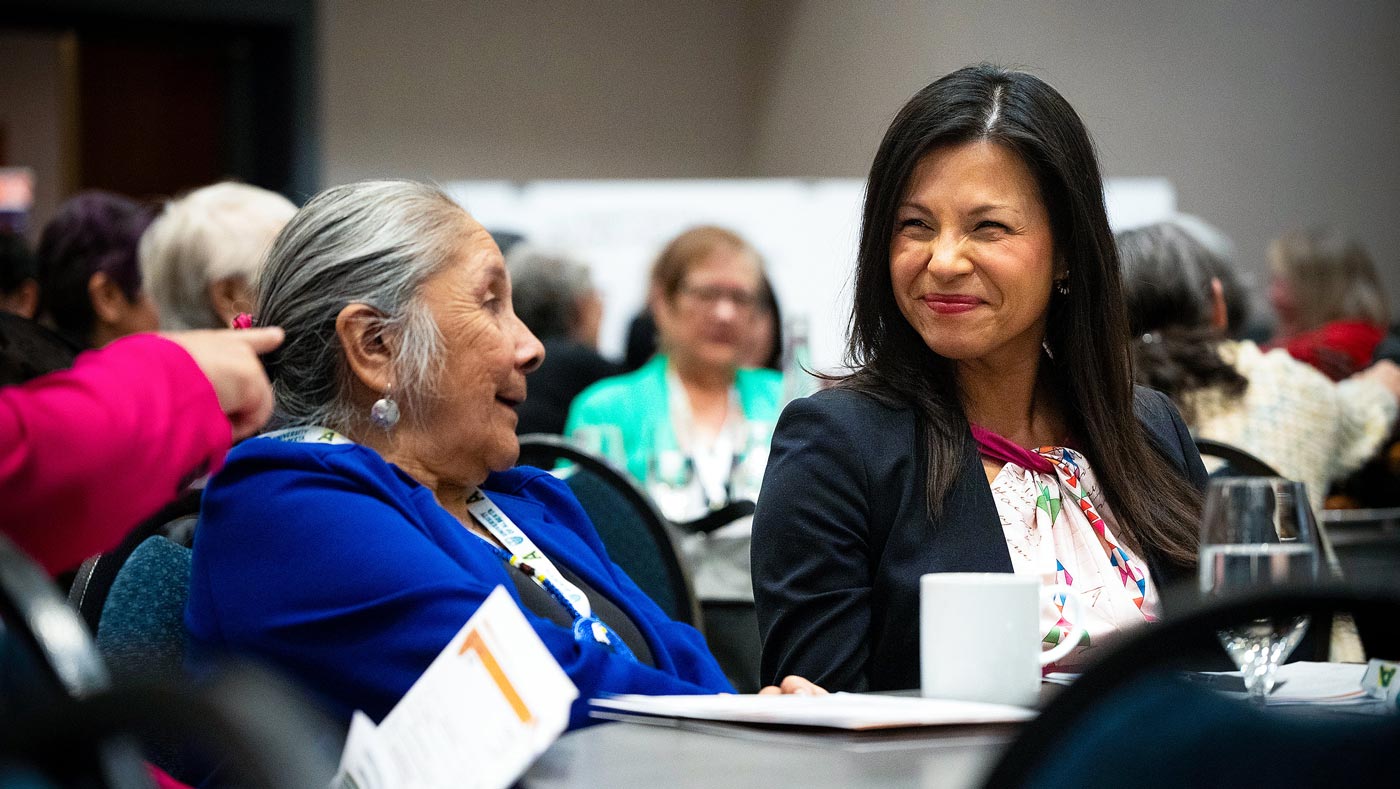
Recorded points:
(163, 780)
(87, 453)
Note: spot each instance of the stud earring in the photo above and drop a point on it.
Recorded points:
(385, 411)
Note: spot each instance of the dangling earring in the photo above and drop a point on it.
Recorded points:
(1045, 344)
(385, 411)
(1062, 285)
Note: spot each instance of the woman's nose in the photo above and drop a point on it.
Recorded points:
(725, 310)
(947, 258)
(529, 351)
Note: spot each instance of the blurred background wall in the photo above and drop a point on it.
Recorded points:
(1264, 115)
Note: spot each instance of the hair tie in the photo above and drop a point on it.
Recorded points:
(243, 320)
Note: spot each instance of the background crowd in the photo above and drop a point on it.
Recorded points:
(356, 436)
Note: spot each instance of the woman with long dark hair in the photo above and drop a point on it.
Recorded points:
(990, 422)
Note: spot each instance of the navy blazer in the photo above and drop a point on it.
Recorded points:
(842, 535)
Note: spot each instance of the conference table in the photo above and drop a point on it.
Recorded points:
(699, 754)
(627, 755)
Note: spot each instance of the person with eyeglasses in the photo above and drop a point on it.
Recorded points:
(694, 424)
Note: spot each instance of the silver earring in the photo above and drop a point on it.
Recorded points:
(1045, 344)
(1062, 286)
(385, 411)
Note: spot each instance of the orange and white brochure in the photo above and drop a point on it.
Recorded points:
(491, 702)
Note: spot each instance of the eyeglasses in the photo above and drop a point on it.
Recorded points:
(709, 296)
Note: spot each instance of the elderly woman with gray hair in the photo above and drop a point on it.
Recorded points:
(200, 255)
(350, 544)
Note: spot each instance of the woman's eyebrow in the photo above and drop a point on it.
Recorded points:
(987, 208)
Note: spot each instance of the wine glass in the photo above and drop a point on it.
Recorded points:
(1256, 533)
(671, 480)
(605, 441)
(750, 459)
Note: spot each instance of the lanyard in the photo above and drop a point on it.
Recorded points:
(521, 552)
(307, 435)
(712, 480)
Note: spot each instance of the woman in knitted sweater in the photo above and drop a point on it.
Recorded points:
(1268, 403)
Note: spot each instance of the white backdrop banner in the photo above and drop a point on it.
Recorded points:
(805, 229)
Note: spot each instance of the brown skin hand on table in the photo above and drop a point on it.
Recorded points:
(794, 686)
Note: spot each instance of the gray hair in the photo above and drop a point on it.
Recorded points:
(210, 234)
(374, 243)
(546, 288)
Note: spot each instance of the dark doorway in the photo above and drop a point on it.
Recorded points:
(167, 96)
(151, 114)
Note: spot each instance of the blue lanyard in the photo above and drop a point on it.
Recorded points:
(587, 629)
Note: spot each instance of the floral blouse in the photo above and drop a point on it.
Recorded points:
(1058, 526)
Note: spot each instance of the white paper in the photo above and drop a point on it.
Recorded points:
(853, 711)
(492, 701)
(1316, 683)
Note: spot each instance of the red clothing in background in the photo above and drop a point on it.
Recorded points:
(88, 453)
(1338, 349)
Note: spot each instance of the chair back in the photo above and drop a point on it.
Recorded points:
(250, 727)
(141, 632)
(1367, 542)
(42, 632)
(1117, 684)
(48, 659)
(94, 579)
(633, 531)
(1238, 463)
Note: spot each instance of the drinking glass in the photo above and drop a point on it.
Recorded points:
(1256, 533)
(750, 459)
(671, 479)
(605, 441)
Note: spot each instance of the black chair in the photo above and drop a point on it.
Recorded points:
(63, 721)
(95, 576)
(1367, 542)
(1131, 701)
(132, 599)
(1238, 463)
(40, 625)
(629, 524)
(141, 631)
(1367, 547)
(258, 730)
(48, 659)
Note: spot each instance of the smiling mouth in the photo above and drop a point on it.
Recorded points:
(951, 305)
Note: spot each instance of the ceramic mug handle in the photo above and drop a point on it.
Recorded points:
(1076, 616)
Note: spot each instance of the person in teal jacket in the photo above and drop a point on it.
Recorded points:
(693, 427)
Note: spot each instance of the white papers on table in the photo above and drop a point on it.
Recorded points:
(491, 701)
(1316, 683)
(851, 711)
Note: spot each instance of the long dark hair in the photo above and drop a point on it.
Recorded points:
(1167, 275)
(1087, 330)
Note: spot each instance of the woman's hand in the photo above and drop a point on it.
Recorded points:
(229, 359)
(1386, 373)
(795, 686)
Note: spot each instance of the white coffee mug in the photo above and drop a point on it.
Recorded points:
(979, 636)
